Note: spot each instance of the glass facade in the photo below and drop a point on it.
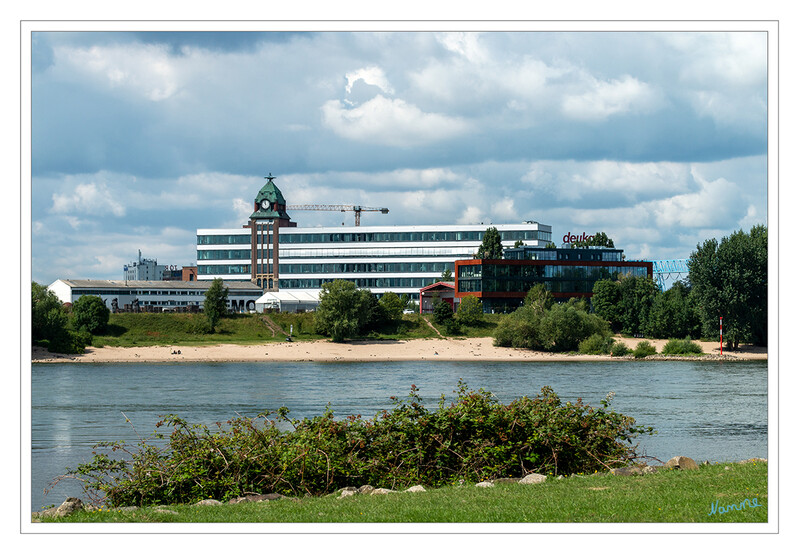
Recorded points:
(408, 236)
(223, 269)
(376, 267)
(373, 283)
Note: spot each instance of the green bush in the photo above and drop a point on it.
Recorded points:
(682, 347)
(596, 344)
(90, 312)
(470, 311)
(644, 349)
(474, 438)
(619, 349)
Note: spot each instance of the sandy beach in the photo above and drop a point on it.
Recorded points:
(451, 349)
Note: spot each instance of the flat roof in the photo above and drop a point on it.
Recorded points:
(130, 284)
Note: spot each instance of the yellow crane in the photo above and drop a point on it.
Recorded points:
(338, 208)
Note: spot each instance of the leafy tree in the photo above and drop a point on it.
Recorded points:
(598, 239)
(637, 296)
(539, 298)
(444, 316)
(606, 302)
(470, 311)
(392, 306)
(345, 311)
(518, 244)
(48, 318)
(90, 313)
(215, 305)
(730, 279)
(491, 249)
(673, 314)
(446, 275)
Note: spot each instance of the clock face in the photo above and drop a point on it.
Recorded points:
(264, 204)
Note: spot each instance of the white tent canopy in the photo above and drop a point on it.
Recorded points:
(285, 301)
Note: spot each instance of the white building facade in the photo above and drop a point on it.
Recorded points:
(401, 259)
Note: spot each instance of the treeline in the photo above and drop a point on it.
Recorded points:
(62, 329)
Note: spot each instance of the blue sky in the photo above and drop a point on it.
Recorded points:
(658, 139)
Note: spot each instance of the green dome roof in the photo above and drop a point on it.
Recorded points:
(276, 204)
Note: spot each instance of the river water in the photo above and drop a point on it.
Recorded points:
(715, 411)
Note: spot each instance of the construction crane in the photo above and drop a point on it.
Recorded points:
(338, 208)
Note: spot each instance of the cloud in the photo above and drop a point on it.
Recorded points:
(390, 122)
(371, 76)
(87, 199)
(606, 98)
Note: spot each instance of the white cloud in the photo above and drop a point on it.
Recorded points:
(389, 122)
(466, 45)
(88, 199)
(471, 215)
(606, 98)
(145, 70)
(371, 76)
(716, 204)
(503, 210)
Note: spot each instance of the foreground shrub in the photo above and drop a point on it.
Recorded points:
(619, 349)
(474, 438)
(644, 349)
(596, 344)
(682, 347)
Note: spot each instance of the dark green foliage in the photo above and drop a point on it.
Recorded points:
(539, 298)
(392, 306)
(730, 279)
(345, 311)
(644, 349)
(491, 249)
(619, 349)
(50, 324)
(446, 275)
(681, 347)
(637, 296)
(90, 313)
(559, 329)
(470, 311)
(596, 344)
(215, 304)
(673, 314)
(606, 302)
(444, 316)
(598, 239)
(474, 438)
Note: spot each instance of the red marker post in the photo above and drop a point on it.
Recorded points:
(721, 337)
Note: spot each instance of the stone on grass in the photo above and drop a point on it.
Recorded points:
(208, 502)
(366, 489)
(532, 479)
(416, 488)
(346, 493)
(256, 498)
(681, 462)
(382, 491)
(484, 484)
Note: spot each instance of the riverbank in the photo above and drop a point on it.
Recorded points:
(448, 349)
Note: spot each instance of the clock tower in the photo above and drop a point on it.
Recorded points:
(265, 222)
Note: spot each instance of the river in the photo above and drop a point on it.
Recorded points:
(715, 411)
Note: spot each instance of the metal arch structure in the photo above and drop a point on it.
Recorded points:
(663, 270)
(338, 208)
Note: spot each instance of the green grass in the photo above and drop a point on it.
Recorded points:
(667, 496)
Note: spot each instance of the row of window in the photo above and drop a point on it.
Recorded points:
(241, 254)
(553, 254)
(408, 267)
(379, 283)
(408, 236)
(523, 272)
(244, 253)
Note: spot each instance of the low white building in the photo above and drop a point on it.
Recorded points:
(155, 295)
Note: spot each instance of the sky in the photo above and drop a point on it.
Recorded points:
(658, 139)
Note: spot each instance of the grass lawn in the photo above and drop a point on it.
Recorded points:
(667, 496)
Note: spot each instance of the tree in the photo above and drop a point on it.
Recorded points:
(215, 305)
(606, 302)
(446, 275)
(491, 249)
(48, 318)
(637, 296)
(345, 311)
(91, 313)
(673, 314)
(470, 311)
(730, 279)
(539, 298)
(392, 307)
(597, 239)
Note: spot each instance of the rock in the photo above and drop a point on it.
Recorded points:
(129, 508)
(382, 491)
(366, 489)
(164, 510)
(208, 502)
(69, 506)
(650, 469)
(753, 460)
(633, 470)
(532, 478)
(416, 488)
(346, 493)
(484, 484)
(681, 462)
(256, 498)
(505, 480)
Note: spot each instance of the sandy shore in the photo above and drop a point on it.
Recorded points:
(356, 351)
